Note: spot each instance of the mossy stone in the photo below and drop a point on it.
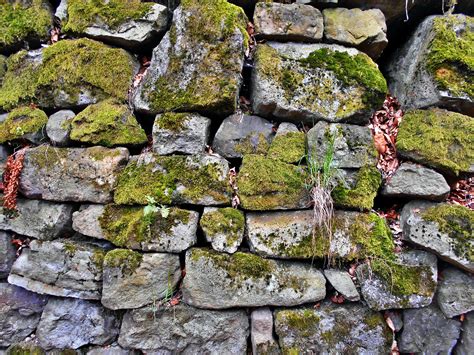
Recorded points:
(289, 147)
(22, 122)
(223, 227)
(125, 259)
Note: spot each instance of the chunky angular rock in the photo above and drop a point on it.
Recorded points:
(416, 182)
(433, 68)
(407, 282)
(133, 280)
(71, 323)
(223, 227)
(128, 24)
(4, 153)
(247, 280)
(197, 179)
(443, 229)
(23, 124)
(438, 138)
(466, 341)
(185, 330)
(112, 349)
(127, 226)
(198, 63)
(62, 267)
(241, 134)
(180, 133)
(311, 82)
(39, 219)
(71, 174)
(332, 328)
(365, 30)
(261, 334)
(267, 184)
(28, 346)
(288, 22)
(58, 127)
(7, 254)
(20, 313)
(67, 74)
(455, 294)
(342, 282)
(289, 144)
(427, 330)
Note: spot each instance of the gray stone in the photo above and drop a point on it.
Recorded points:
(136, 280)
(333, 329)
(415, 181)
(428, 331)
(185, 330)
(416, 84)
(86, 221)
(397, 319)
(112, 349)
(20, 312)
(342, 282)
(408, 282)
(353, 145)
(15, 129)
(261, 334)
(3, 158)
(288, 86)
(180, 133)
(455, 292)
(72, 323)
(7, 254)
(58, 127)
(288, 22)
(466, 342)
(39, 219)
(365, 30)
(62, 267)
(71, 174)
(429, 235)
(243, 134)
(216, 281)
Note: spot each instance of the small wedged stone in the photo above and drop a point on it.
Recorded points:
(127, 226)
(185, 330)
(332, 328)
(7, 254)
(342, 282)
(247, 280)
(20, 313)
(312, 82)
(23, 124)
(180, 133)
(71, 174)
(288, 22)
(39, 219)
(241, 134)
(443, 229)
(68, 323)
(466, 341)
(416, 182)
(58, 127)
(455, 292)
(63, 267)
(428, 331)
(261, 333)
(408, 282)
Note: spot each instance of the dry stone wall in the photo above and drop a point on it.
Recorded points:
(164, 198)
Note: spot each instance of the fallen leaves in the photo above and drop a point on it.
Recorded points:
(20, 244)
(338, 299)
(11, 179)
(233, 185)
(392, 216)
(462, 193)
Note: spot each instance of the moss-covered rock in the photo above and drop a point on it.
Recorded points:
(3, 67)
(69, 73)
(25, 123)
(200, 180)
(289, 144)
(223, 227)
(267, 184)
(197, 65)
(109, 124)
(438, 138)
(25, 349)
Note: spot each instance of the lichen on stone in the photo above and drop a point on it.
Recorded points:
(172, 121)
(125, 259)
(225, 221)
(253, 144)
(21, 121)
(289, 147)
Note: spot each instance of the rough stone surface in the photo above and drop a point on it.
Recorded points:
(3, 158)
(71, 323)
(20, 313)
(289, 144)
(134, 286)
(261, 334)
(253, 281)
(39, 219)
(409, 282)
(7, 254)
(428, 331)
(332, 328)
(466, 342)
(365, 30)
(23, 124)
(62, 267)
(86, 221)
(112, 349)
(243, 134)
(342, 282)
(185, 330)
(58, 127)
(71, 174)
(288, 22)
(415, 181)
(455, 292)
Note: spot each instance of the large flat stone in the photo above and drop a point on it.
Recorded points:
(455, 294)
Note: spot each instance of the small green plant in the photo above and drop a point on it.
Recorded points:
(152, 207)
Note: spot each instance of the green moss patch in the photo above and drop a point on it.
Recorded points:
(108, 124)
(253, 144)
(289, 147)
(227, 221)
(438, 138)
(303, 320)
(172, 121)
(21, 121)
(125, 259)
